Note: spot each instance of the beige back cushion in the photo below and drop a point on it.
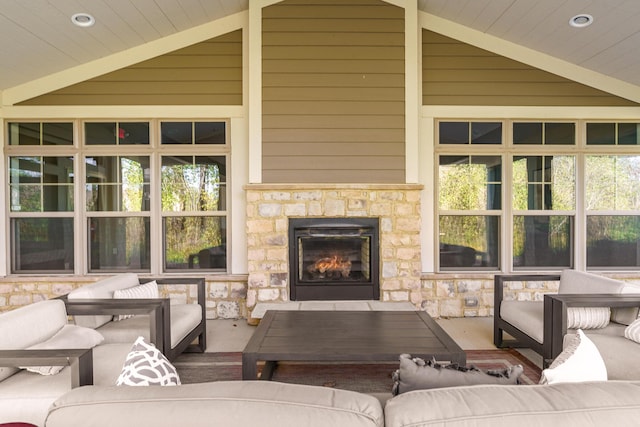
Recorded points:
(102, 289)
(30, 325)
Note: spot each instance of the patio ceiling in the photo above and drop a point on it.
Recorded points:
(37, 37)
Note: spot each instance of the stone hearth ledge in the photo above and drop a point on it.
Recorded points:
(262, 307)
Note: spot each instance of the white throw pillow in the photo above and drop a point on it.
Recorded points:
(146, 290)
(69, 337)
(146, 365)
(580, 361)
(632, 331)
(588, 317)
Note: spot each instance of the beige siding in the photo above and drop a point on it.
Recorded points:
(207, 73)
(333, 92)
(455, 73)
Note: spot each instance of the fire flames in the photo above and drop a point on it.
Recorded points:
(333, 267)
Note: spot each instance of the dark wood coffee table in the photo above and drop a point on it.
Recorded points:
(360, 336)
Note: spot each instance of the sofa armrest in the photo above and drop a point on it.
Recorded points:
(79, 360)
(157, 309)
(555, 314)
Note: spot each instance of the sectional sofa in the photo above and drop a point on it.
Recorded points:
(273, 404)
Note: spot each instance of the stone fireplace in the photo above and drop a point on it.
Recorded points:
(334, 259)
(395, 208)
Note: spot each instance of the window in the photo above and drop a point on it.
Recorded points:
(117, 187)
(165, 186)
(470, 199)
(542, 184)
(193, 206)
(41, 213)
(612, 203)
(613, 134)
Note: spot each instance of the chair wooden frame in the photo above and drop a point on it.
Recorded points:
(159, 311)
(555, 315)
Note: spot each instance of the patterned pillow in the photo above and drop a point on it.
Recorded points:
(146, 365)
(146, 290)
(632, 331)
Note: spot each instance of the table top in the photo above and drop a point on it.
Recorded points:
(350, 335)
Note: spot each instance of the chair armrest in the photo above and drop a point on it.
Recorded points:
(79, 360)
(157, 309)
(555, 314)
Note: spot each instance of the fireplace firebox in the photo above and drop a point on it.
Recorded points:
(334, 259)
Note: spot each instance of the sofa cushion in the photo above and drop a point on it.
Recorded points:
(620, 355)
(220, 403)
(608, 403)
(580, 361)
(102, 289)
(70, 336)
(146, 365)
(146, 290)
(29, 325)
(525, 315)
(416, 374)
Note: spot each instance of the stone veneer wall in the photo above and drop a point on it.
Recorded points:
(269, 207)
(226, 296)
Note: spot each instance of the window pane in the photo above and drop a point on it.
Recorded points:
(41, 184)
(57, 134)
(542, 241)
(210, 133)
(176, 132)
(193, 183)
(469, 241)
(613, 241)
(42, 244)
(601, 133)
(560, 133)
(132, 133)
(628, 134)
(195, 243)
(612, 183)
(24, 133)
(100, 133)
(486, 133)
(118, 183)
(470, 182)
(543, 182)
(454, 132)
(117, 244)
(527, 133)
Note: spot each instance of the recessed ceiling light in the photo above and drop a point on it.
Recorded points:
(581, 21)
(83, 20)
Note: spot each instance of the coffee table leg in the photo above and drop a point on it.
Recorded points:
(249, 366)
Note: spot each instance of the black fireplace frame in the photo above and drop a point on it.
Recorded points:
(334, 289)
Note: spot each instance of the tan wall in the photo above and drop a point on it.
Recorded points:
(333, 92)
(455, 73)
(207, 73)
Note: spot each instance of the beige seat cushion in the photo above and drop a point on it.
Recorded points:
(184, 318)
(526, 316)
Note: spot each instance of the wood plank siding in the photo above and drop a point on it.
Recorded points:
(456, 73)
(333, 92)
(207, 73)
